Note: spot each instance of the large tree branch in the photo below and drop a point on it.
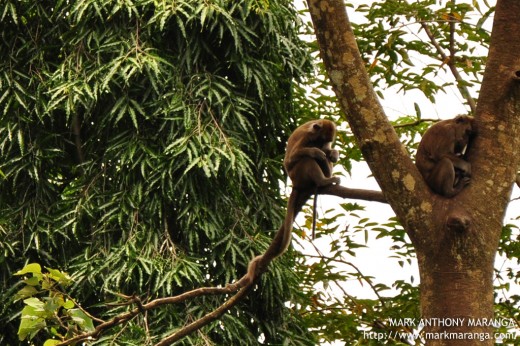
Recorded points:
(345, 192)
(496, 151)
(387, 158)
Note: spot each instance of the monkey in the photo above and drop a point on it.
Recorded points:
(440, 156)
(332, 157)
(308, 163)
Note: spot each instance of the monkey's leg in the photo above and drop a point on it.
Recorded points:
(462, 172)
(317, 176)
(462, 167)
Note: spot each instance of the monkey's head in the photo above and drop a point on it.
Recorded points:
(466, 123)
(320, 131)
(464, 126)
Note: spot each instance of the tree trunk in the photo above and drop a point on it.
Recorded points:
(455, 239)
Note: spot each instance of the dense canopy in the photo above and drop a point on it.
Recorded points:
(141, 144)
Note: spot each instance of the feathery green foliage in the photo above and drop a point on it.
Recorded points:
(141, 144)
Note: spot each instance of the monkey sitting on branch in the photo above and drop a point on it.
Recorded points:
(300, 163)
(308, 162)
(440, 156)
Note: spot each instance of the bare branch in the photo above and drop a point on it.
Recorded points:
(125, 317)
(76, 129)
(452, 35)
(345, 192)
(363, 276)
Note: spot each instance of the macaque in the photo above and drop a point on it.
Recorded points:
(440, 156)
(332, 157)
(308, 162)
(302, 163)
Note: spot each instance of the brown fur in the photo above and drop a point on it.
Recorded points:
(332, 157)
(440, 156)
(308, 162)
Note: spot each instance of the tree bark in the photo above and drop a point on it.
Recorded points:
(455, 239)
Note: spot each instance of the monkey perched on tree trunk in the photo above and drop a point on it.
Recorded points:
(308, 162)
(440, 156)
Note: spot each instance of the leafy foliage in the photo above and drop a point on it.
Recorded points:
(333, 311)
(399, 51)
(55, 311)
(140, 151)
(141, 144)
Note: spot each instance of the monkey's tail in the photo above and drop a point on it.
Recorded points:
(282, 239)
(314, 213)
(290, 215)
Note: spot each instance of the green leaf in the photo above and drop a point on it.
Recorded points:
(33, 281)
(35, 303)
(29, 327)
(26, 291)
(32, 319)
(69, 304)
(60, 277)
(81, 319)
(33, 268)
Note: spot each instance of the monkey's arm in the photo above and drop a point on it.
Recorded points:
(460, 164)
(332, 155)
(296, 155)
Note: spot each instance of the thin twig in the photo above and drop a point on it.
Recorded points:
(450, 61)
(416, 122)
